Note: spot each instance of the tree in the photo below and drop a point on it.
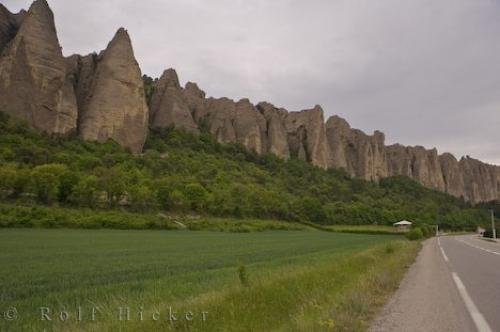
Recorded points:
(46, 180)
(312, 210)
(67, 182)
(140, 197)
(196, 196)
(7, 177)
(86, 191)
(113, 182)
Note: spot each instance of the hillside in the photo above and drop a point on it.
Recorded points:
(101, 96)
(184, 173)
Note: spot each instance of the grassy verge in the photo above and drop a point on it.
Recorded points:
(302, 280)
(339, 296)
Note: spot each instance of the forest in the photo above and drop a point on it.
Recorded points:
(183, 173)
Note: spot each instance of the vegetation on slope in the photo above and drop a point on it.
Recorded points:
(182, 173)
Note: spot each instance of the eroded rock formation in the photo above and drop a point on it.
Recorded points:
(33, 78)
(277, 138)
(115, 105)
(358, 154)
(168, 106)
(307, 136)
(9, 25)
(101, 97)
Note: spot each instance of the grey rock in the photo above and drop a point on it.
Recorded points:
(307, 136)
(34, 85)
(168, 106)
(115, 106)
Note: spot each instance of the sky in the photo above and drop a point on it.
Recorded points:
(424, 72)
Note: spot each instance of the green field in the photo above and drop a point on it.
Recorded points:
(245, 281)
(364, 229)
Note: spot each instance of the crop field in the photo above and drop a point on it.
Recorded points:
(364, 229)
(72, 280)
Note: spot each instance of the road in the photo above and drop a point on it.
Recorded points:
(454, 285)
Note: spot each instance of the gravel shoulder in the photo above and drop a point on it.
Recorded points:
(427, 299)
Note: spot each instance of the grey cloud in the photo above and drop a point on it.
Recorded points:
(423, 71)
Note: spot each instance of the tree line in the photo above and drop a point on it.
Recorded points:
(188, 173)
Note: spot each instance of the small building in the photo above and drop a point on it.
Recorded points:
(403, 225)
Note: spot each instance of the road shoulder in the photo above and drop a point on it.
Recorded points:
(427, 299)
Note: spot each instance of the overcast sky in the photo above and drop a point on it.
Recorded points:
(425, 72)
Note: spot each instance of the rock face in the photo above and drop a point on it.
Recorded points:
(114, 106)
(304, 135)
(102, 97)
(452, 175)
(168, 106)
(358, 154)
(417, 163)
(307, 136)
(33, 78)
(276, 133)
(367, 157)
(9, 25)
(480, 179)
(231, 121)
(81, 71)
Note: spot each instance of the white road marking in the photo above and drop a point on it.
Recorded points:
(477, 317)
(442, 251)
(444, 255)
(480, 248)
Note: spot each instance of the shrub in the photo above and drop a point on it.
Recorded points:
(389, 248)
(86, 193)
(425, 231)
(46, 181)
(196, 196)
(242, 275)
(414, 234)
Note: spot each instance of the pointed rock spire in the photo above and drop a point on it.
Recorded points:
(115, 107)
(168, 106)
(33, 82)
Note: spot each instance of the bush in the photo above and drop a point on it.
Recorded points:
(390, 248)
(46, 181)
(242, 275)
(414, 234)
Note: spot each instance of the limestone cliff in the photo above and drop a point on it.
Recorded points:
(452, 175)
(33, 79)
(307, 136)
(115, 105)
(358, 154)
(168, 106)
(231, 121)
(101, 97)
(480, 180)
(9, 25)
(417, 163)
(276, 133)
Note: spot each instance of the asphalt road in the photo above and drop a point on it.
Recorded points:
(454, 285)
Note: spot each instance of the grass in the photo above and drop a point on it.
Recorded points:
(363, 229)
(302, 280)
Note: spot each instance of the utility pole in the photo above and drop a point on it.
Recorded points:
(494, 231)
